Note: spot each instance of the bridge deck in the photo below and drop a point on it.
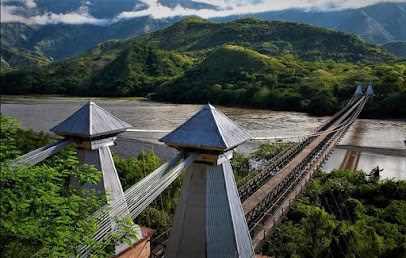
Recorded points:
(268, 187)
(251, 202)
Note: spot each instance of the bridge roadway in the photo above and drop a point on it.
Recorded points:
(263, 199)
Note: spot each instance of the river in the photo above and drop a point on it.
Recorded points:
(370, 142)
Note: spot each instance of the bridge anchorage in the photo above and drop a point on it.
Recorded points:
(213, 218)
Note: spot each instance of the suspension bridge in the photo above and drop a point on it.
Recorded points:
(213, 218)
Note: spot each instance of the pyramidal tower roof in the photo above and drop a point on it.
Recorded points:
(208, 128)
(90, 121)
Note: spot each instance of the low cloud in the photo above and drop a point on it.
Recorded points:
(156, 10)
(80, 16)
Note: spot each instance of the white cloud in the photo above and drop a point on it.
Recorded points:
(155, 9)
(271, 5)
(241, 7)
(30, 4)
(7, 14)
(81, 16)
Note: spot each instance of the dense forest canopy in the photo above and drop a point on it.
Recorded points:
(247, 62)
(345, 214)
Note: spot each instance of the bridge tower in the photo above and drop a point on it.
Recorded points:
(94, 130)
(358, 91)
(209, 220)
(370, 92)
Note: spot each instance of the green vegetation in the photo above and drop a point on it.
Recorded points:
(248, 62)
(268, 150)
(137, 71)
(41, 214)
(345, 214)
(159, 214)
(306, 42)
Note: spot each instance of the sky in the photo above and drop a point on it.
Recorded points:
(157, 10)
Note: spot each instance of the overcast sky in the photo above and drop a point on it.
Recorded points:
(156, 10)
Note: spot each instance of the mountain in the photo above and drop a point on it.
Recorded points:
(61, 41)
(137, 71)
(306, 42)
(380, 23)
(397, 48)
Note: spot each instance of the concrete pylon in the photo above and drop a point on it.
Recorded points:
(209, 220)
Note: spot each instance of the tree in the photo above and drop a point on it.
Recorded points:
(323, 103)
(41, 214)
(318, 228)
(268, 150)
(241, 166)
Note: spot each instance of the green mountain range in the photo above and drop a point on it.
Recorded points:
(304, 41)
(248, 62)
(380, 23)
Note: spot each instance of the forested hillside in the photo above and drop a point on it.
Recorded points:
(305, 42)
(14, 57)
(248, 62)
(137, 71)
